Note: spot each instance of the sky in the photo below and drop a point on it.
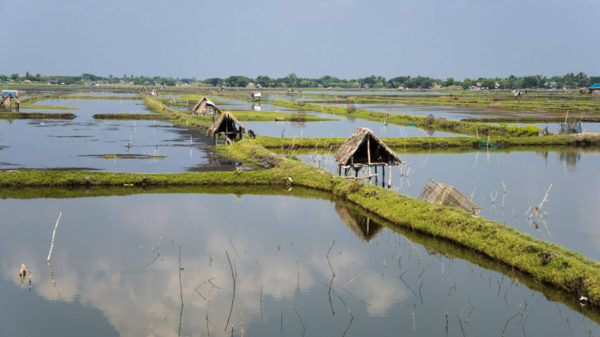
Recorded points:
(311, 38)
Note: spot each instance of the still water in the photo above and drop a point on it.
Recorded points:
(82, 143)
(162, 265)
(572, 214)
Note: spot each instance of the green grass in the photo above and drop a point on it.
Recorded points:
(36, 115)
(533, 119)
(129, 116)
(120, 98)
(436, 142)
(47, 107)
(460, 127)
(268, 116)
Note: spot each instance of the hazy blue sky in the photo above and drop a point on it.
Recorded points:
(344, 38)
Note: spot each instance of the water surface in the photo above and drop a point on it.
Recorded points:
(117, 268)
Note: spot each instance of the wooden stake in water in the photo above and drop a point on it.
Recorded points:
(53, 235)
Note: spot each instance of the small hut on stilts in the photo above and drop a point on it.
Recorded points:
(364, 149)
(227, 126)
(205, 107)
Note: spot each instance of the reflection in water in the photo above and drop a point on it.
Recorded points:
(177, 265)
(361, 225)
(509, 185)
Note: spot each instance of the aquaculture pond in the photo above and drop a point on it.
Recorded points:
(87, 143)
(254, 265)
(569, 217)
(447, 112)
(105, 94)
(342, 127)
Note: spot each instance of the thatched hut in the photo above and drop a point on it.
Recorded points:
(364, 149)
(361, 225)
(442, 194)
(9, 101)
(205, 107)
(228, 126)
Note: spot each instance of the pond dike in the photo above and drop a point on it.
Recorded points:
(546, 262)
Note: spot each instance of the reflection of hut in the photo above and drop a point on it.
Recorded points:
(442, 194)
(364, 149)
(227, 126)
(361, 225)
(9, 101)
(205, 107)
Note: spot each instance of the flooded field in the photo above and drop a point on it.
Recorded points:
(254, 265)
(86, 143)
(341, 128)
(571, 217)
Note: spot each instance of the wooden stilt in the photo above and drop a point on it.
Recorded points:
(389, 175)
(369, 157)
(383, 176)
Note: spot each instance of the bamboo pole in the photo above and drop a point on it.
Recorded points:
(369, 156)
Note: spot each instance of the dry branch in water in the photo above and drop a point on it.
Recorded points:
(53, 235)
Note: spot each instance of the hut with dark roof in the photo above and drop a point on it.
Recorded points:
(205, 107)
(228, 127)
(364, 149)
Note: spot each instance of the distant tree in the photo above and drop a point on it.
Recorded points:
(14, 76)
(449, 81)
(467, 83)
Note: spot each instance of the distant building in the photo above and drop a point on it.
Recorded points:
(550, 85)
(594, 87)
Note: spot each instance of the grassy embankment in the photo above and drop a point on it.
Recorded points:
(120, 98)
(406, 143)
(555, 103)
(581, 140)
(534, 119)
(440, 124)
(546, 262)
(130, 116)
(36, 115)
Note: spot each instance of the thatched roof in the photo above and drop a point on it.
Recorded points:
(225, 123)
(354, 150)
(8, 101)
(362, 226)
(201, 106)
(442, 194)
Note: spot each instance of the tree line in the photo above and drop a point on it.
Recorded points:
(569, 80)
